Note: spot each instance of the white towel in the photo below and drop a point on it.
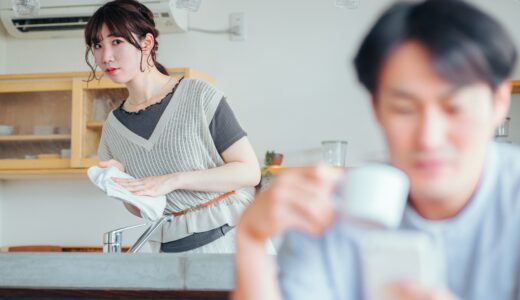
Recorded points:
(151, 208)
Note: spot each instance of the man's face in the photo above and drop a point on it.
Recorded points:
(436, 133)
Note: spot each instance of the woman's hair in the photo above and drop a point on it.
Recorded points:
(466, 45)
(127, 19)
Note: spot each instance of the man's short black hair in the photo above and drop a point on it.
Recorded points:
(466, 45)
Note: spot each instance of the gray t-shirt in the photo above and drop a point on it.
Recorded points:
(481, 244)
(224, 127)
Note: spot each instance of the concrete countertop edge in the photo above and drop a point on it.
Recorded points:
(165, 271)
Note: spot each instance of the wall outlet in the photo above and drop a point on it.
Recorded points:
(237, 27)
(350, 4)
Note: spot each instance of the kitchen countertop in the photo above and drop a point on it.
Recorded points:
(167, 271)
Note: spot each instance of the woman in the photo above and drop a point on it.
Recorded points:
(177, 136)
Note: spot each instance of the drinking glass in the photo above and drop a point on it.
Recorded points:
(334, 152)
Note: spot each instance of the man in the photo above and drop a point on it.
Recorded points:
(437, 72)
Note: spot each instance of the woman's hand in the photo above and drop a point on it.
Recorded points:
(114, 163)
(415, 291)
(296, 199)
(111, 163)
(150, 186)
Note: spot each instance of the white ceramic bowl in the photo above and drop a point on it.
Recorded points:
(43, 129)
(65, 153)
(63, 130)
(6, 129)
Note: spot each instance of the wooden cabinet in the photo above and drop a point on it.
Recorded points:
(515, 86)
(92, 103)
(39, 113)
(56, 121)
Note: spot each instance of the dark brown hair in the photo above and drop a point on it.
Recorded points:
(466, 44)
(123, 18)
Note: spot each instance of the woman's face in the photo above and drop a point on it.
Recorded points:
(118, 58)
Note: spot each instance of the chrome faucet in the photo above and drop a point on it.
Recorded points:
(112, 240)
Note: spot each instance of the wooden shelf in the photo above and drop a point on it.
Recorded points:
(42, 174)
(34, 137)
(88, 162)
(67, 75)
(95, 124)
(13, 165)
(516, 86)
(278, 169)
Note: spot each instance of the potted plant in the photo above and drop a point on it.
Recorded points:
(273, 159)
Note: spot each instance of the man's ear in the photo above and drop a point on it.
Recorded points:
(501, 102)
(147, 43)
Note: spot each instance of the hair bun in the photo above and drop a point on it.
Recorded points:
(146, 12)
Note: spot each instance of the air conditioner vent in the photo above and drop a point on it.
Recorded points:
(50, 24)
(66, 18)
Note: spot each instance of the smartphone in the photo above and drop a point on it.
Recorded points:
(392, 256)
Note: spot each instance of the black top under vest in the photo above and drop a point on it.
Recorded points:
(224, 127)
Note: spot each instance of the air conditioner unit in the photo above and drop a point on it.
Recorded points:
(66, 18)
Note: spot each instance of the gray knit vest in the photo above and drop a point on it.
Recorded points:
(181, 142)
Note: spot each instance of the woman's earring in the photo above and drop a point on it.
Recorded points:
(148, 65)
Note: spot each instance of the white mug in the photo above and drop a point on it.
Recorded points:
(373, 195)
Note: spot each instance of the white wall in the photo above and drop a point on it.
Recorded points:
(60, 212)
(291, 84)
(3, 49)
